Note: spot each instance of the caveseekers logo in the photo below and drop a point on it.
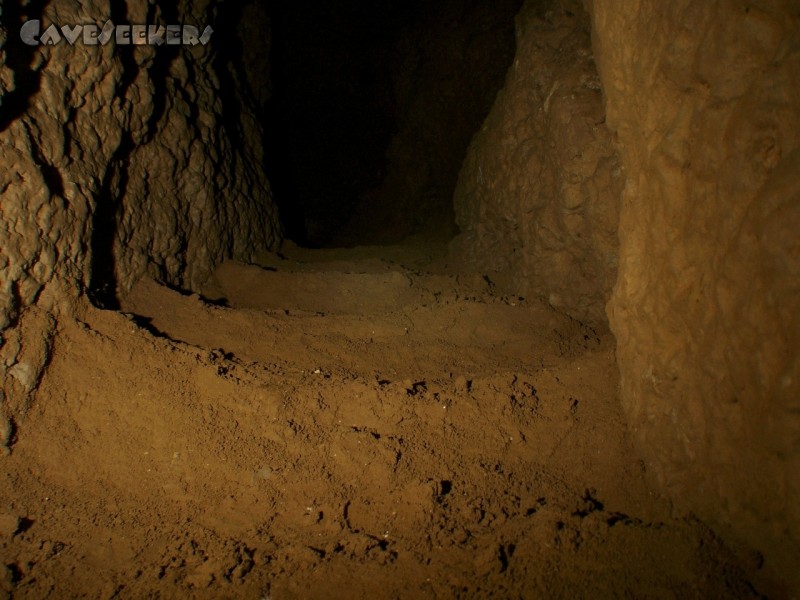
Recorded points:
(124, 35)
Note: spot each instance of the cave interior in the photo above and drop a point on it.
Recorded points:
(402, 299)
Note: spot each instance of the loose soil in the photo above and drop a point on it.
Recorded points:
(340, 424)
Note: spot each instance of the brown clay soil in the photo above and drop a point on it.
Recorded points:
(339, 425)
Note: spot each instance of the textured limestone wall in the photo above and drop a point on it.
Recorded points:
(196, 172)
(704, 99)
(115, 162)
(537, 197)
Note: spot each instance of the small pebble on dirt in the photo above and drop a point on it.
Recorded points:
(6, 431)
(9, 525)
(6, 582)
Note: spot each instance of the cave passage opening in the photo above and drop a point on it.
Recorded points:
(370, 110)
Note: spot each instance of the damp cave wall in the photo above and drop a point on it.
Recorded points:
(703, 100)
(640, 168)
(120, 161)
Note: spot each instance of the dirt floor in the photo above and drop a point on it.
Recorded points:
(336, 425)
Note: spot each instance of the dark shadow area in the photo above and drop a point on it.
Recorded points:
(279, 166)
(372, 108)
(24, 525)
(146, 324)
(332, 115)
(218, 302)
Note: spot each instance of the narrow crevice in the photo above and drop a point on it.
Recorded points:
(50, 173)
(102, 290)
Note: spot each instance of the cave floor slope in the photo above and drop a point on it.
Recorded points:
(338, 425)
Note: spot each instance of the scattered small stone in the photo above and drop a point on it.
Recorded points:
(24, 373)
(6, 582)
(414, 388)
(6, 432)
(9, 525)
(461, 384)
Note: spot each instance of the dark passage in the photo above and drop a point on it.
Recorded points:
(371, 111)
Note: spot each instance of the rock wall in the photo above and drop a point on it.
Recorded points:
(706, 311)
(537, 197)
(116, 162)
(195, 168)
